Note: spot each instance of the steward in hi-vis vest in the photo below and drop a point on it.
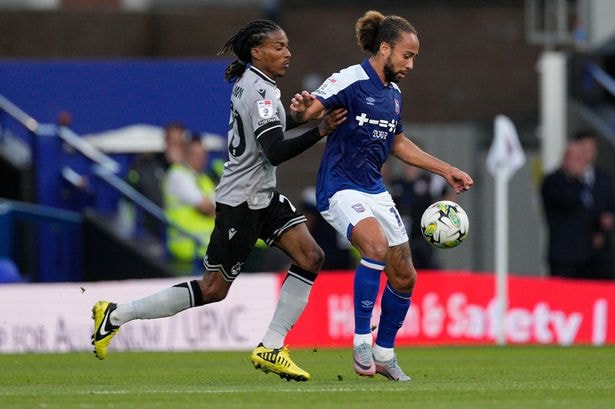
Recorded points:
(189, 204)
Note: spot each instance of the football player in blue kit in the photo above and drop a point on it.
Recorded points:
(351, 194)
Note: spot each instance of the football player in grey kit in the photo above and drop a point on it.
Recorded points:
(248, 206)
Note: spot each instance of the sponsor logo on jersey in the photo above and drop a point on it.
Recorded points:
(266, 121)
(322, 90)
(382, 123)
(265, 108)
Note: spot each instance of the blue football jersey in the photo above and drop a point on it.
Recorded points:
(356, 150)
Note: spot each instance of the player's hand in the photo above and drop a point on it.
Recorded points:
(459, 180)
(332, 120)
(299, 105)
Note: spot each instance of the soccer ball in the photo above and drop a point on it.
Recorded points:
(444, 224)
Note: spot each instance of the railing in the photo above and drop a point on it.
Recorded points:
(603, 122)
(20, 116)
(603, 78)
(56, 168)
(65, 232)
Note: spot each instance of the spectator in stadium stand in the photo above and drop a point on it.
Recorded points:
(413, 191)
(351, 194)
(147, 171)
(579, 205)
(248, 205)
(189, 203)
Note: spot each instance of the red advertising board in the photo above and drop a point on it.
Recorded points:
(460, 308)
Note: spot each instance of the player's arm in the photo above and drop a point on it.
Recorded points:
(291, 123)
(306, 107)
(278, 150)
(409, 153)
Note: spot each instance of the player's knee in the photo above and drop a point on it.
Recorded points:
(404, 282)
(314, 258)
(376, 250)
(213, 294)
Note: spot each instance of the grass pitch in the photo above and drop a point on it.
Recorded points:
(445, 377)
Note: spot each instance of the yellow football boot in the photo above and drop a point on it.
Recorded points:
(104, 331)
(277, 361)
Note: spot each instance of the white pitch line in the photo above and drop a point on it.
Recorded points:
(214, 391)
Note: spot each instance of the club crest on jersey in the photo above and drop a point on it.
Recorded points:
(265, 108)
(396, 106)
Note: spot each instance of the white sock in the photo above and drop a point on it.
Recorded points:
(293, 299)
(164, 303)
(362, 339)
(382, 354)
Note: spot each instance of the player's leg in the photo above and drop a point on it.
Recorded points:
(367, 236)
(350, 214)
(307, 257)
(108, 316)
(287, 230)
(222, 257)
(401, 277)
(394, 306)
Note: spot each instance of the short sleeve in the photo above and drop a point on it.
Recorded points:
(333, 92)
(264, 112)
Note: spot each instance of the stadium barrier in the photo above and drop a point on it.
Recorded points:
(449, 308)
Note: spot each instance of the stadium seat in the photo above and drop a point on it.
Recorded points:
(9, 273)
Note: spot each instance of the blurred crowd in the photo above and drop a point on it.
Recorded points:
(578, 202)
(181, 180)
(579, 205)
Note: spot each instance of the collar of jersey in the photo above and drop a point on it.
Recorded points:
(261, 74)
(371, 73)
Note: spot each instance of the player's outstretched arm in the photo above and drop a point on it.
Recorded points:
(279, 150)
(408, 152)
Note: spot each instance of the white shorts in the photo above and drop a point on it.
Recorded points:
(348, 207)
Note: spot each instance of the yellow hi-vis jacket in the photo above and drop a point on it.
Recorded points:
(189, 218)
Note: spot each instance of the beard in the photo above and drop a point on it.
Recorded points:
(389, 73)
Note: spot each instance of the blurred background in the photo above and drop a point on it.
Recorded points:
(88, 85)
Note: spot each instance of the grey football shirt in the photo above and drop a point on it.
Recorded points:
(256, 108)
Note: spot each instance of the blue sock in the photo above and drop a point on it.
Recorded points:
(366, 285)
(394, 307)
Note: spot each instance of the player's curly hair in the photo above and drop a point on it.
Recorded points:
(249, 36)
(374, 28)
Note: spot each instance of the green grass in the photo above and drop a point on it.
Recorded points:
(447, 377)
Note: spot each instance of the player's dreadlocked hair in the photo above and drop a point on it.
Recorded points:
(241, 44)
(374, 28)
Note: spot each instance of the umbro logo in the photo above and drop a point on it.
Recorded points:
(370, 100)
(367, 304)
(231, 232)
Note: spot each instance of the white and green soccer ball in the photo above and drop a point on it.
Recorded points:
(444, 224)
